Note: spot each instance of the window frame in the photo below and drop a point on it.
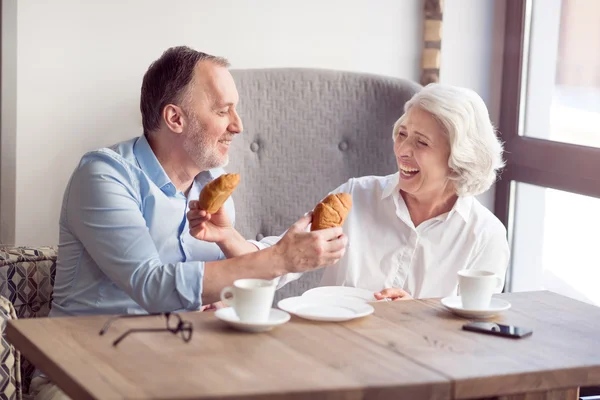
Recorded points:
(563, 166)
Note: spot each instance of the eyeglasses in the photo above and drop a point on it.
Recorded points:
(175, 325)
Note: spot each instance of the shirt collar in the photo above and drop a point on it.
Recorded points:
(151, 166)
(391, 185)
(462, 206)
(206, 176)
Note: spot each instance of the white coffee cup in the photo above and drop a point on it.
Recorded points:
(476, 288)
(251, 299)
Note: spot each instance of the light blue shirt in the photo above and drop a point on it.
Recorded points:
(124, 242)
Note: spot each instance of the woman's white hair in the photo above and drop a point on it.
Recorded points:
(475, 150)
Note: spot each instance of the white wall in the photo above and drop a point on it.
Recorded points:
(472, 44)
(79, 67)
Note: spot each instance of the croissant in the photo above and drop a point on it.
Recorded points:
(331, 211)
(216, 192)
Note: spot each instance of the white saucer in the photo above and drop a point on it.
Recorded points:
(454, 304)
(345, 291)
(276, 317)
(326, 308)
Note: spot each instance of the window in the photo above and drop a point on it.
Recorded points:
(550, 122)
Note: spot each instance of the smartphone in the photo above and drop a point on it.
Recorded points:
(493, 328)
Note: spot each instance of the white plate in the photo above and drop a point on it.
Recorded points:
(454, 304)
(276, 317)
(345, 291)
(326, 308)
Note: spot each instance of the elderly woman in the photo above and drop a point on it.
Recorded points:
(411, 232)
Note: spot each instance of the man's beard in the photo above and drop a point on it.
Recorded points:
(197, 146)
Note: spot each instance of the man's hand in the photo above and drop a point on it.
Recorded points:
(214, 228)
(303, 251)
(217, 228)
(393, 294)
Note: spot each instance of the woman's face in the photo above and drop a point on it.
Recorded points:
(422, 151)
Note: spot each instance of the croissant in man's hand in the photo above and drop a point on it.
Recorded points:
(216, 192)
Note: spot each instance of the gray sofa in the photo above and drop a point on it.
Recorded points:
(306, 131)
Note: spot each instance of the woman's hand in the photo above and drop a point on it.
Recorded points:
(214, 228)
(302, 251)
(213, 306)
(393, 294)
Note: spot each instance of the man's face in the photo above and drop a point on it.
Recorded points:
(212, 120)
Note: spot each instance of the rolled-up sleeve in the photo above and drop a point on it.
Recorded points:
(282, 280)
(266, 242)
(104, 211)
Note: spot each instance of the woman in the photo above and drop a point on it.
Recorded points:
(411, 232)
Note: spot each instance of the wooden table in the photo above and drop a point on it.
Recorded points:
(406, 350)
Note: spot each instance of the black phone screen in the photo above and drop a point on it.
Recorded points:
(493, 328)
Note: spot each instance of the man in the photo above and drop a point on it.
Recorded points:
(125, 245)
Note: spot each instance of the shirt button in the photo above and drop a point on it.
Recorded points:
(254, 147)
(259, 236)
(343, 146)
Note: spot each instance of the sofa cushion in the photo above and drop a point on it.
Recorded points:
(27, 279)
(10, 359)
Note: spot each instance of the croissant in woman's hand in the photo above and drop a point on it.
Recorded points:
(331, 211)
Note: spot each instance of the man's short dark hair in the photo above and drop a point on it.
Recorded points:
(167, 80)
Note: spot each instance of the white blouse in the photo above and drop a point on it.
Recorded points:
(386, 250)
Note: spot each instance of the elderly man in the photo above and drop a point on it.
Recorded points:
(125, 245)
